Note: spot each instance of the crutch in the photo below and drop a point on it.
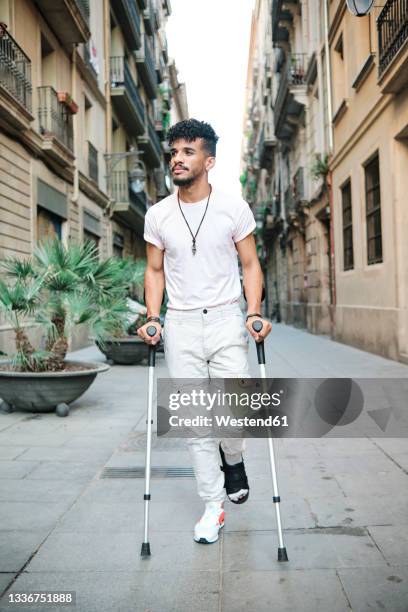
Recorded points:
(260, 349)
(145, 552)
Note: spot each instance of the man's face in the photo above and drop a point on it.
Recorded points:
(189, 161)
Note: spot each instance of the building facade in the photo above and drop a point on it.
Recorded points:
(324, 147)
(85, 99)
(369, 166)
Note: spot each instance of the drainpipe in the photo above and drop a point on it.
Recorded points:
(75, 125)
(329, 176)
(108, 121)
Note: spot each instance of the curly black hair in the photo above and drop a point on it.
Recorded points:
(190, 129)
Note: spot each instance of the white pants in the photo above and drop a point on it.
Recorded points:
(208, 343)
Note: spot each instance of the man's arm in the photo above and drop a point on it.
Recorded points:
(154, 288)
(253, 283)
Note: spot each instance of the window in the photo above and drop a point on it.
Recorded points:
(118, 244)
(339, 83)
(373, 211)
(92, 227)
(348, 257)
(48, 66)
(49, 225)
(89, 236)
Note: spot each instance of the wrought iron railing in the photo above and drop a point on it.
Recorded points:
(54, 117)
(121, 192)
(15, 70)
(149, 17)
(84, 8)
(293, 73)
(134, 14)
(120, 74)
(93, 169)
(146, 55)
(392, 25)
(119, 186)
(153, 137)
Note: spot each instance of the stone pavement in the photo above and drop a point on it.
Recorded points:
(64, 527)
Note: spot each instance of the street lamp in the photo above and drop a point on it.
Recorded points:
(137, 177)
(360, 8)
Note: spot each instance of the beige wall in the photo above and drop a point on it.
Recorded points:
(371, 309)
(15, 199)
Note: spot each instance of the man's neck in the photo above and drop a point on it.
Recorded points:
(194, 193)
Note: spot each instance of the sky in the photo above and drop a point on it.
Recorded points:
(209, 41)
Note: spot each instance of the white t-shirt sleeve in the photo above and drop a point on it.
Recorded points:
(245, 222)
(151, 232)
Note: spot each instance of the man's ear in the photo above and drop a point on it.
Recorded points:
(210, 163)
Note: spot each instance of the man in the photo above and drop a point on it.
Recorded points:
(193, 237)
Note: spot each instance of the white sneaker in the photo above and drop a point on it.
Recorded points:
(207, 529)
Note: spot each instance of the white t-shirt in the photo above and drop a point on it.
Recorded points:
(211, 276)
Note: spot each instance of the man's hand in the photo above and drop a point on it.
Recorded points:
(266, 328)
(142, 333)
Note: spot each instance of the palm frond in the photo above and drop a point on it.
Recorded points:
(19, 297)
(19, 268)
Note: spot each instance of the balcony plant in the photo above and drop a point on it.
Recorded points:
(66, 99)
(58, 289)
(320, 166)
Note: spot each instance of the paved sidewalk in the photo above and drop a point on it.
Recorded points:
(344, 506)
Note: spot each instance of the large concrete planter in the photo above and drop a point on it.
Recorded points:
(128, 350)
(47, 391)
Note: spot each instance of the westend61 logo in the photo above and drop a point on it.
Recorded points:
(284, 407)
(220, 400)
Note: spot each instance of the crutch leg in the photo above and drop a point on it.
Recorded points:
(145, 552)
(260, 349)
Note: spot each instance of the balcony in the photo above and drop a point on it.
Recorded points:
(282, 18)
(93, 170)
(299, 185)
(15, 84)
(392, 26)
(150, 144)
(130, 207)
(149, 19)
(292, 95)
(167, 7)
(128, 17)
(160, 69)
(69, 19)
(267, 144)
(55, 125)
(126, 97)
(146, 68)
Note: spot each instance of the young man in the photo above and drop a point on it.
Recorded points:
(193, 237)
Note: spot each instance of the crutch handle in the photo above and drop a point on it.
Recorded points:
(151, 331)
(260, 348)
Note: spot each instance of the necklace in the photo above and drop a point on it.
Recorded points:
(194, 236)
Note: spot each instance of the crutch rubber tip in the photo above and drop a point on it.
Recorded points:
(282, 554)
(145, 552)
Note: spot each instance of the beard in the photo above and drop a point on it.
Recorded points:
(184, 181)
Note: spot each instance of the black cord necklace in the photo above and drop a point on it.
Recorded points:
(194, 236)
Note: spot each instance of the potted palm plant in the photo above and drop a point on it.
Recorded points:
(124, 347)
(57, 289)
